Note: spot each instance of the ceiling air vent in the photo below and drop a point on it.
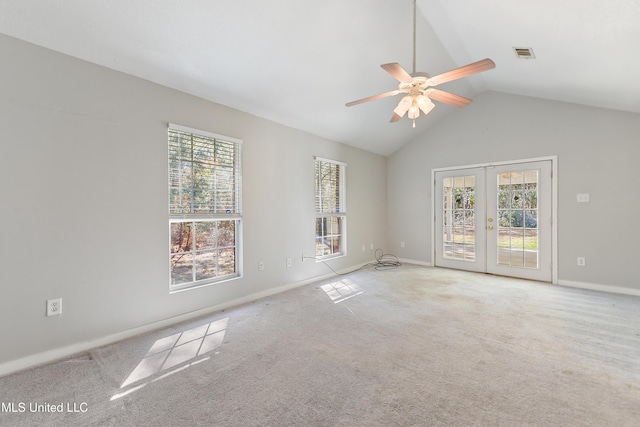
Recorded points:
(524, 52)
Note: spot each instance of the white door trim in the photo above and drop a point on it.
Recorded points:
(554, 201)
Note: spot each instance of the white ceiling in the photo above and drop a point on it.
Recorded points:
(297, 62)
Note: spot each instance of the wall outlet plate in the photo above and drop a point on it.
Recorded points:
(582, 198)
(54, 307)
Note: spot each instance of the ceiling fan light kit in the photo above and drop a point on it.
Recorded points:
(418, 86)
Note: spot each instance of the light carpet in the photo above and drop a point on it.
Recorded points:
(413, 346)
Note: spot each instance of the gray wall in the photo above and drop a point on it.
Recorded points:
(598, 151)
(84, 202)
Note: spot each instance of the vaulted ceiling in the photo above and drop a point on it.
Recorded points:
(297, 62)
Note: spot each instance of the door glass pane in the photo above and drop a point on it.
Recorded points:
(531, 248)
(517, 211)
(447, 242)
(459, 197)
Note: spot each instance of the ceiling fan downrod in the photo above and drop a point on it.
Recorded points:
(419, 88)
(414, 37)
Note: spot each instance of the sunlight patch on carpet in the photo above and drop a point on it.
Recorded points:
(175, 353)
(342, 290)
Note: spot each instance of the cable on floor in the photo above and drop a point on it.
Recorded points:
(383, 262)
(386, 261)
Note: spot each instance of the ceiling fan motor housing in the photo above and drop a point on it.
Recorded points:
(418, 84)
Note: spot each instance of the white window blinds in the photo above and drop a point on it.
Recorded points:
(330, 184)
(204, 174)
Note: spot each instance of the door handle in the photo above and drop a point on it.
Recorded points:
(490, 227)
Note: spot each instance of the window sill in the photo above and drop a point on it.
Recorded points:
(329, 257)
(174, 289)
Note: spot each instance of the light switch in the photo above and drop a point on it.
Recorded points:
(583, 198)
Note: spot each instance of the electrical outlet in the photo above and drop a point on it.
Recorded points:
(261, 265)
(54, 307)
(581, 261)
(402, 244)
(288, 262)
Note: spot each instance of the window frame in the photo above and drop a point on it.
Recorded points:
(323, 213)
(195, 215)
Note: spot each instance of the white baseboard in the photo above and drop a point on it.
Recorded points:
(413, 261)
(70, 350)
(601, 288)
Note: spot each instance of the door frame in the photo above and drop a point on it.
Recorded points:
(554, 202)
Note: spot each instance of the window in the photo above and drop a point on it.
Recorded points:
(331, 213)
(204, 207)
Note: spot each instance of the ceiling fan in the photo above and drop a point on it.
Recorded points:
(418, 86)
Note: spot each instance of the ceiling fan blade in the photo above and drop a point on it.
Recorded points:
(448, 98)
(398, 72)
(372, 98)
(458, 73)
(395, 118)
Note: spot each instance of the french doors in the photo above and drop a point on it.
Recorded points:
(495, 219)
